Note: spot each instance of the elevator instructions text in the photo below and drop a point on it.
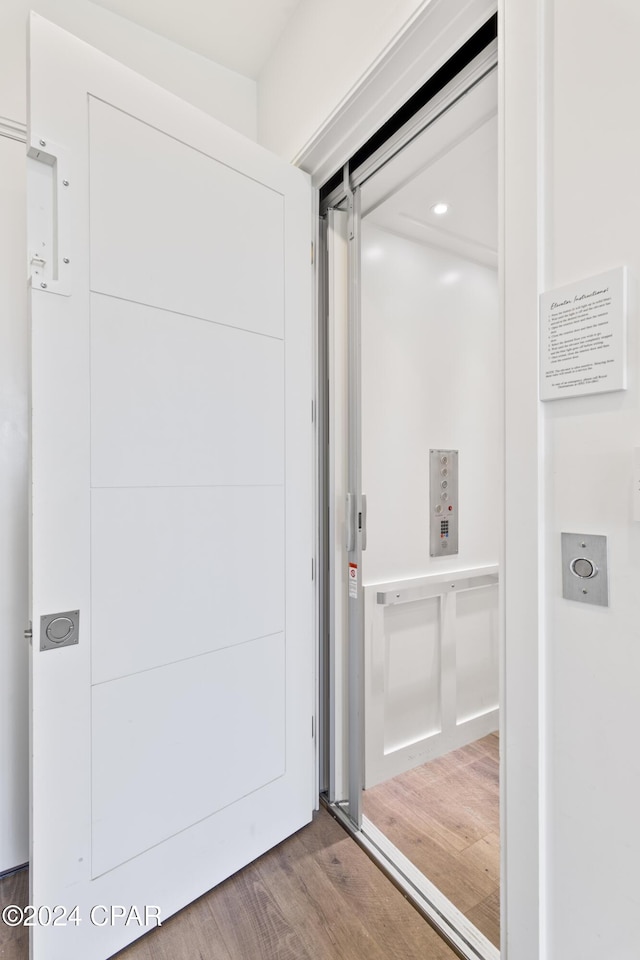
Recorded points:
(583, 334)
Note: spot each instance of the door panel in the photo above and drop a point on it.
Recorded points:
(147, 543)
(142, 210)
(235, 695)
(140, 436)
(171, 496)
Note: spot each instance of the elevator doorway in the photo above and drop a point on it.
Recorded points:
(412, 264)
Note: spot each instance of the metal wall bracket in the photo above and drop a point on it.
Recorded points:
(584, 568)
(50, 186)
(59, 630)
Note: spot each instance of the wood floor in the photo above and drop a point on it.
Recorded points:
(316, 896)
(444, 816)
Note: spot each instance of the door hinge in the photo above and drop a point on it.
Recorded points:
(28, 633)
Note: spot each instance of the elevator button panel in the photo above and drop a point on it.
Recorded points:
(443, 503)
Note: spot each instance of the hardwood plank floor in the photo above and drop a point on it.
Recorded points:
(317, 896)
(445, 817)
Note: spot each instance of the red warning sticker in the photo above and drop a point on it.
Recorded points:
(353, 580)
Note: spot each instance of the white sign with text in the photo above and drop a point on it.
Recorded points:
(583, 337)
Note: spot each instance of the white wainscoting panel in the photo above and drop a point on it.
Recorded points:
(431, 668)
(409, 681)
(476, 627)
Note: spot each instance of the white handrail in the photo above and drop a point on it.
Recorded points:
(421, 588)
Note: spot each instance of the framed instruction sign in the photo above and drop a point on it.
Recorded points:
(583, 337)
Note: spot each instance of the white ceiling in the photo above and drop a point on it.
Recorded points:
(455, 160)
(238, 34)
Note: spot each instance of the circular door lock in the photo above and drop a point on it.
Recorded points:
(59, 629)
(583, 568)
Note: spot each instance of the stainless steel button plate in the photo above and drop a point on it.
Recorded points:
(59, 630)
(584, 568)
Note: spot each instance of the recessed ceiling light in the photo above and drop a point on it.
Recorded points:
(440, 209)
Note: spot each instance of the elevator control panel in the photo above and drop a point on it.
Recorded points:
(443, 502)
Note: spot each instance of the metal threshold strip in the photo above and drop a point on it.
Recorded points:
(452, 925)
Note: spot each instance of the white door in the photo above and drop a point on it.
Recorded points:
(172, 499)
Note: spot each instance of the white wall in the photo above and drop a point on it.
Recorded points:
(572, 154)
(593, 654)
(325, 60)
(430, 378)
(216, 90)
(322, 53)
(222, 93)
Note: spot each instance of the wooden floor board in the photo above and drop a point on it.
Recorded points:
(486, 917)
(299, 885)
(389, 920)
(445, 817)
(251, 921)
(13, 940)
(465, 885)
(485, 855)
(317, 896)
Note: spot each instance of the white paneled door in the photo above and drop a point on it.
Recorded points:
(172, 500)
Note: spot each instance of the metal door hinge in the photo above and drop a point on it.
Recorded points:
(28, 633)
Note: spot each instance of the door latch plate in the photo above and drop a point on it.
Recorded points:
(59, 630)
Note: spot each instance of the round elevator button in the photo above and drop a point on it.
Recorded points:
(583, 568)
(59, 629)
